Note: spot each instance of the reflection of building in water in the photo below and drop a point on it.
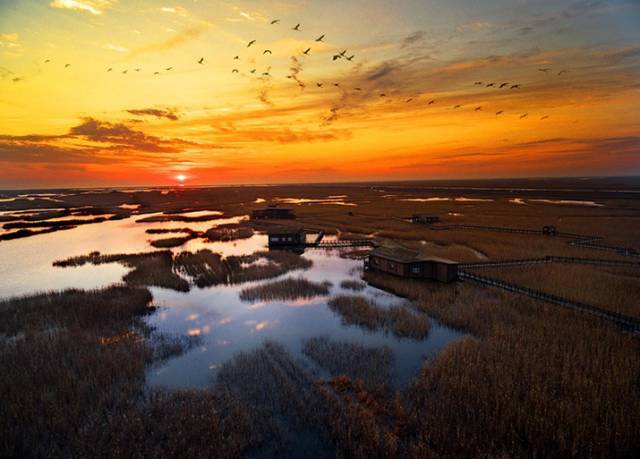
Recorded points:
(273, 213)
(407, 263)
(286, 236)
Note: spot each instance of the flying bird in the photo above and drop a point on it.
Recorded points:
(201, 61)
(350, 58)
(306, 51)
(235, 71)
(319, 85)
(545, 70)
(320, 38)
(490, 85)
(109, 69)
(477, 109)
(524, 116)
(500, 112)
(503, 85)
(267, 51)
(125, 72)
(478, 83)
(296, 28)
(336, 57)
(544, 117)
(253, 71)
(409, 99)
(168, 69)
(357, 89)
(431, 102)
(457, 106)
(266, 74)
(251, 43)
(383, 95)
(156, 73)
(47, 61)
(67, 65)
(137, 70)
(343, 53)
(235, 58)
(515, 86)
(337, 85)
(275, 21)
(561, 72)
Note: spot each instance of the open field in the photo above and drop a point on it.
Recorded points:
(529, 379)
(608, 287)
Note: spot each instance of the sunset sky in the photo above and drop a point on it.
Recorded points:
(66, 120)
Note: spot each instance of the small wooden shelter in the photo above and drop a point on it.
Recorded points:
(408, 263)
(286, 236)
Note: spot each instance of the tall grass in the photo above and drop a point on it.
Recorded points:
(285, 289)
(350, 284)
(228, 233)
(374, 365)
(358, 310)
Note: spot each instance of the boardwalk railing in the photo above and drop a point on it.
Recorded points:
(344, 243)
(578, 240)
(622, 321)
(548, 259)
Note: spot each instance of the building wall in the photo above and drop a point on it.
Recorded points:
(443, 272)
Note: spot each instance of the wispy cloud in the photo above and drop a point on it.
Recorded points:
(168, 113)
(95, 7)
(116, 48)
(178, 39)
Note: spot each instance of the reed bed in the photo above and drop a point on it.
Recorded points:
(285, 290)
(228, 233)
(170, 242)
(374, 365)
(72, 382)
(170, 231)
(179, 218)
(351, 284)
(399, 320)
(28, 233)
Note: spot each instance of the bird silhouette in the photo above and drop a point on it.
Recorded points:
(545, 70)
(544, 117)
(47, 61)
(319, 85)
(343, 53)
(500, 112)
(503, 85)
(266, 74)
(296, 28)
(336, 57)
(337, 85)
(201, 61)
(235, 58)
(235, 71)
(457, 106)
(67, 65)
(251, 43)
(306, 51)
(515, 86)
(478, 83)
(350, 58)
(137, 70)
(561, 72)
(477, 109)
(109, 69)
(168, 69)
(267, 51)
(275, 21)
(156, 73)
(320, 38)
(490, 85)
(383, 95)
(357, 89)
(431, 102)
(524, 116)
(253, 70)
(409, 99)
(125, 72)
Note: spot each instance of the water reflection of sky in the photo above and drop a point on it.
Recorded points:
(225, 324)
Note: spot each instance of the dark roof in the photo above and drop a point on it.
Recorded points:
(402, 255)
(284, 230)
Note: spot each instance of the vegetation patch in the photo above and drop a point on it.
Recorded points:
(286, 289)
(358, 310)
(170, 242)
(374, 365)
(351, 284)
(230, 232)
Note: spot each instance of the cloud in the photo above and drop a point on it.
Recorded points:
(168, 113)
(474, 27)
(414, 38)
(382, 71)
(172, 42)
(95, 7)
(179, 10)
(283, 135)
(116, 48)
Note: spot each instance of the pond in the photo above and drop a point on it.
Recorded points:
(224, 323)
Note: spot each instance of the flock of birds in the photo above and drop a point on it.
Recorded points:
(344, 55)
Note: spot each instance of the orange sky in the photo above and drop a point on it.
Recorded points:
(67, 120)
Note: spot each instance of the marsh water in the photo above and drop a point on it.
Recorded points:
(224, 324)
